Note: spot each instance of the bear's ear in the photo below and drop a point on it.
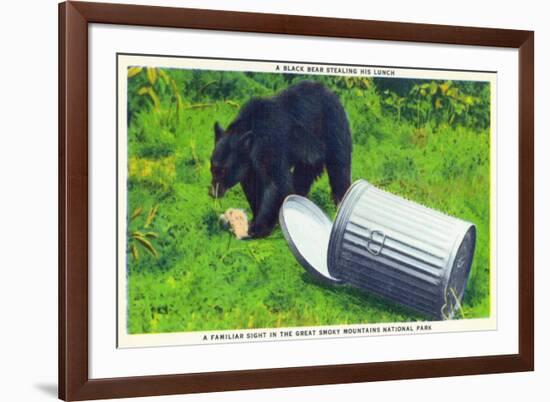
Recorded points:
(218, 131)
(245, 140)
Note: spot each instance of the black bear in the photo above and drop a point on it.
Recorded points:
(278, 146)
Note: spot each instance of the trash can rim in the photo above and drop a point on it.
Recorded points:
(467, 228)
(313, 213)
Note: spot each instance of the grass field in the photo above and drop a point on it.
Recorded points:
(427, 141)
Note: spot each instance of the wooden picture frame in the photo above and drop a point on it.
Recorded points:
(74, 381)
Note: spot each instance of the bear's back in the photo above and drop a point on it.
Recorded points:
(308, 93)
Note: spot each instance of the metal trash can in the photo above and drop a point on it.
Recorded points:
(382, 243)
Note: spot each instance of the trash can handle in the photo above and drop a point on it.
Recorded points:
(369, 242)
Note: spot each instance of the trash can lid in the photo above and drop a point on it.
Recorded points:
(307, 231)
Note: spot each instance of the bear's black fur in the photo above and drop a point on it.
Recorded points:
(278, 146)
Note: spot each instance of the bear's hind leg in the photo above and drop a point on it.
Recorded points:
(303, 177)
(339, 175)
(338, 150)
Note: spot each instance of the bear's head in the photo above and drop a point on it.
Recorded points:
(230, 160)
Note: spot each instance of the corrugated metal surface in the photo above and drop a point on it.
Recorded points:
(401, 250)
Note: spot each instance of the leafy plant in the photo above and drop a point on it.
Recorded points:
(445, 100)
(142, 239)
(155, 84)
(395, 101)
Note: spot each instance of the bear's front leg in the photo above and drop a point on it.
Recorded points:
(268, 212)
(259, 230)
(253, 190)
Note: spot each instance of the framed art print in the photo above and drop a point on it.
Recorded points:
(255, 200)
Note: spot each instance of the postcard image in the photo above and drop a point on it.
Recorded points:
(275, 200)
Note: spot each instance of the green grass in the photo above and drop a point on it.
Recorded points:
(205, 279)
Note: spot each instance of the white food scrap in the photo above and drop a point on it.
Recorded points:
(237, 222)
